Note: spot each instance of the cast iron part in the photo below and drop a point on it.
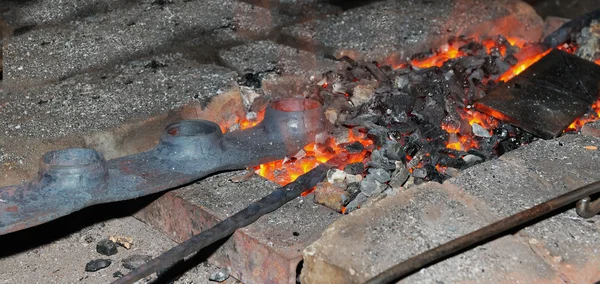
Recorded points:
(483, 235)
(548, 96)
(71, 179)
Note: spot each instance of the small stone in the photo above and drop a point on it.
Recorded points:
(471, 159)
(336, 176)
(219, 276)
(118, 274)
(106, 247)
(97, 264)
(369, 186)
(136, 260)
(332, 115)
(361, 94)
(123, 241)
(479, 131)
(355, 168)
(399, 176)
(331, 196)
(380, 175)
(353, 179)
(419, 173)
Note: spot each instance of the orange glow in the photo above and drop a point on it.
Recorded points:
(578, 123)
(447, 52)
(288, 170)
(597, 61)
(526, 58)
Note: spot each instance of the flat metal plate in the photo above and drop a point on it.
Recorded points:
(548, 96)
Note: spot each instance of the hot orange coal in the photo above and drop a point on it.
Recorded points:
(313, 154)
(289, 169)
(527, 56)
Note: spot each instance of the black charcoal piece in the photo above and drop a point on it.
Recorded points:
(97, 264)
(106, 247)
(136, 260)
(547, 96)
(355, 168)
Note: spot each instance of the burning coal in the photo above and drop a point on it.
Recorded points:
(414, 122)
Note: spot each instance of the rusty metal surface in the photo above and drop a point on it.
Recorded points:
(71, 179)
(547, 96)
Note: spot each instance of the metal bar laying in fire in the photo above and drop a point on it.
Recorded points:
(241, 219)
(482, 235)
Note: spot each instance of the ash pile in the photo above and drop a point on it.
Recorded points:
(419, 116)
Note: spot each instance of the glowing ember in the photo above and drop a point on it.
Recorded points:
(526, 58)
(288, 170)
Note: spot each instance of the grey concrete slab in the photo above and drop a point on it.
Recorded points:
(505, 187)
(63, 260)
(533, 174)
(373, 239)
(565, 163)
(400, 28)
(60, 51)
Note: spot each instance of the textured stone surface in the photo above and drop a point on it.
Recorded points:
(267, 251)
(268, 57)
(55, 52)
(533, 174)
(38, 12)
(564, 163)
(401, 28)
(118, 111)
(63, 259)
(373, 239)
(591, 129)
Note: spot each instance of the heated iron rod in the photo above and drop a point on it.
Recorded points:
(425, 259)
(245, 217)
(564, 33)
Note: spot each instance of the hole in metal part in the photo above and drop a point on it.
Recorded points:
(72, 157)
(191, 128)
(293, 105)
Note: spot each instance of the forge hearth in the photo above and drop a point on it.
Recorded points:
(398, 80)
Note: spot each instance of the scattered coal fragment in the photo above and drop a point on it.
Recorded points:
(355, 168)
(378, 160)
(419, 173)
(106, 247)
(379, 175)
(118, 274)
(399, 176)
(353, 190)
(357, 202)
(354, 147)
(136, 260)
(97, 264)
